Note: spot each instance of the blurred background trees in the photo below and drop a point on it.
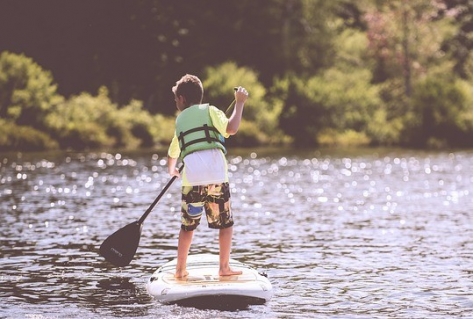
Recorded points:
(94, 74)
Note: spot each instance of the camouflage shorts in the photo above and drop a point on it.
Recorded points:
(214, 199)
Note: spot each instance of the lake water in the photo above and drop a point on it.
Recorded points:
(374, 233)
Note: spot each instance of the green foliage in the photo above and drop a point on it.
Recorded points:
(351, 50)
(219, 83)
(23, 138)
(308, 28)
(87, 121)
(348, 96)
(383, 130)
(249, 135)
(389, 117)
(82, 121)
(442, 114)
(459, 45)
(335, 100)
(162, 128)
(318, 72)
(346, 138)
(27, 92)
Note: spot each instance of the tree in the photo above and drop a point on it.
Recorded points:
(459, 44)
(442, 111)
(406, 37)
(27, 92)
(138, 49)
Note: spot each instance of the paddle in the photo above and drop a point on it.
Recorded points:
(120, 247)
(231, 103)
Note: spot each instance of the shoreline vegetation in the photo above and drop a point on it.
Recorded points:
(327, 73)
(34, 117)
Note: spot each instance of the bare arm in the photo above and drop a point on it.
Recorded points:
(241, 96)
(172, 169)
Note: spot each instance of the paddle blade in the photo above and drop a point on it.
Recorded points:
(120, 247)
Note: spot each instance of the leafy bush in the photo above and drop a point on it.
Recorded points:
(219, 83)
(441, 113)
(144, 130)
(23, 138)
(382, 130)
(335, 100)
(162, 129)
(330, 137)
(300, 116)
(248, 135)
(27, 92)
(83, 121)
(390, 117)
(87, 121)
(34, 116)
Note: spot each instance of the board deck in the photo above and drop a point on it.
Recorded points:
(203, 284)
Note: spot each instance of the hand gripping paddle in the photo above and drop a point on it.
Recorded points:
(231, 103)
(120, 247)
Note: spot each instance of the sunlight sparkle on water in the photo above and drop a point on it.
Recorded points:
(370, 231)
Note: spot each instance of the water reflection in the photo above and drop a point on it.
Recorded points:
(366, 234)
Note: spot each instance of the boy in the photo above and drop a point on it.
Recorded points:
(198, 141)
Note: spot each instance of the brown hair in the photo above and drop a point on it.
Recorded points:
(190, 87)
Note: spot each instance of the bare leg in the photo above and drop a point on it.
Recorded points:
(225, 243)
(184, 243)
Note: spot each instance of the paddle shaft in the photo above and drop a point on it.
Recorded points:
(157, 199)
(232, 103)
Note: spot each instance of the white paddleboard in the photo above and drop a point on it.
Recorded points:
(204, 285)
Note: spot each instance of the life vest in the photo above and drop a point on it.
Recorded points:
(195, 131)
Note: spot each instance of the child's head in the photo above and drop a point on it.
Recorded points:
(190, 88)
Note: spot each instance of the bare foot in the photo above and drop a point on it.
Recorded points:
(229, 272)
(181, 274)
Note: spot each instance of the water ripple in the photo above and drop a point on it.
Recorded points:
(368, 234)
